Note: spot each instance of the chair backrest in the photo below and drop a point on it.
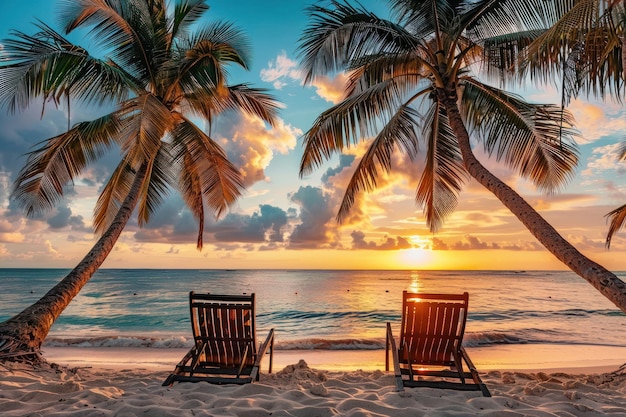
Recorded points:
(432, 326)
(224, 324)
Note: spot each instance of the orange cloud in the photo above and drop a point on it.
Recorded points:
(331, 89)
(598, 119)
(250, 144)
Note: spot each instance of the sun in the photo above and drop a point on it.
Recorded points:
(418, 256)
(415, 257)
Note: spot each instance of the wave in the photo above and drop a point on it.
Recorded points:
(493, 338)
(175, 342)
(473, 339)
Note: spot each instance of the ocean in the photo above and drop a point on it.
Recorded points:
(320, 309)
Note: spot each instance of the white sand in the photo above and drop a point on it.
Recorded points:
(130, 385)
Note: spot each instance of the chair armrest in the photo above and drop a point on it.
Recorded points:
(268, 344)
(474, 373)
(391, 345)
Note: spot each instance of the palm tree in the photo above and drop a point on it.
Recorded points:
(410, 83)
(582, 43)
(158, 73)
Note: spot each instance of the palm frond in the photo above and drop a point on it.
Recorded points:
(220, 181)
(59, 160)
(489, 18)
(227, 43)
(547, 51)
(406, 70)
(336, 36)
(201, 68)
(187, 13)
(160, 176)
(533, 139)
(573, 75)
(616, 219)
(356, 117)
(584, 32)
(48, 65)
(425, 18)
(253, 101)
(512, 31)
(399, 132)
(112, 196)
(601, 58)
(122, 28)
(503, 53)
(444, 173)
(146, 120)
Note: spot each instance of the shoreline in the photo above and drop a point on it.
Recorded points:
(524, 357)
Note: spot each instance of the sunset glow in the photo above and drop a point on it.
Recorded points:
(285, 221)
(416, 258)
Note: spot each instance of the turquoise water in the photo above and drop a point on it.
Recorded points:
(320, 309)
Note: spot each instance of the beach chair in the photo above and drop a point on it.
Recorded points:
(430, 351)
(225, 347)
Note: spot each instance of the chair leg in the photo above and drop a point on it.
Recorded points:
(271, 354)
(196, 358)
(458, 363)
(244, 359)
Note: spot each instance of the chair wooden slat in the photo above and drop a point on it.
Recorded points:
(431, 337)
(224, 334)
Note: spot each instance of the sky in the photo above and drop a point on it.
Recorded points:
(283, 221)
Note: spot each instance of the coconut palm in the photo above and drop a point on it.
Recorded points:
(158, 73)
(411, 87)
(581, 43)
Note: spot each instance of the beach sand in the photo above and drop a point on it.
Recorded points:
(127, 382)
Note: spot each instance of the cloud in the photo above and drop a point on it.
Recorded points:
(316, 215)
(470, 242)
(61, 217)
(388, 243)
(583, 242)
(438, 244)
(604, 158)
(331, 89)
(284, 71)
(596, 120)
(281, 72)
(173, 251)
(50, 249)
(268, 224)
(250, 145)
(174, 224)
(9, 232)
(21, 131)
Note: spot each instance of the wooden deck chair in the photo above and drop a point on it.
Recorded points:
(225, 347)
(430, 351)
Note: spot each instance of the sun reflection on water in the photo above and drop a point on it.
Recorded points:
(415, 284)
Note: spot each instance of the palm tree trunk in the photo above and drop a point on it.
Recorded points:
(602, 279)
(22, 335)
